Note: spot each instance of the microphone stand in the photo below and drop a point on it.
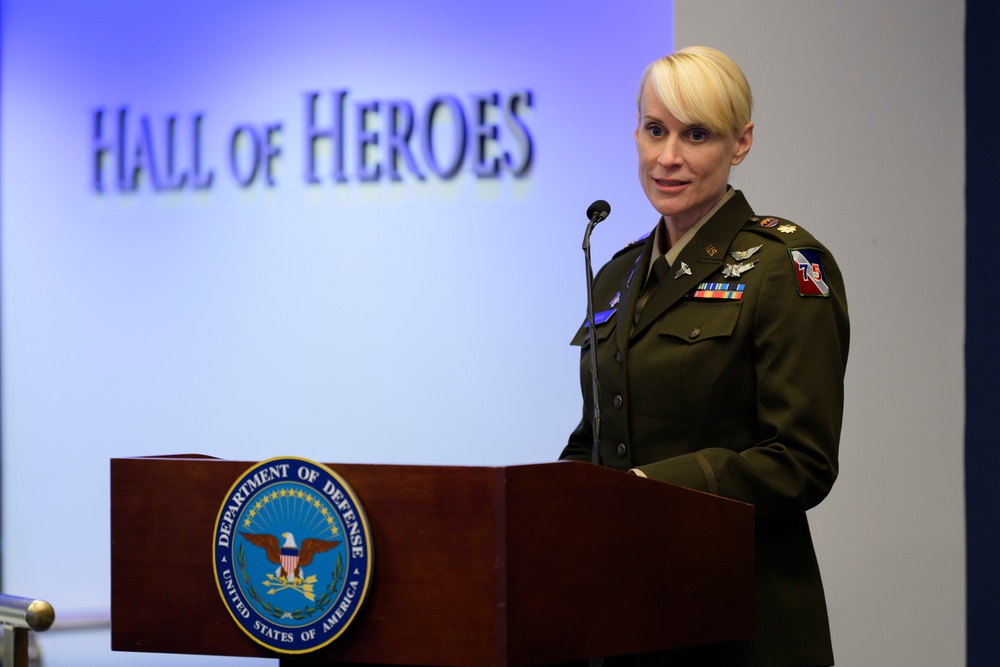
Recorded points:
(597, 214)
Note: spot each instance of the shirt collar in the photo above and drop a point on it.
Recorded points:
(660, 235)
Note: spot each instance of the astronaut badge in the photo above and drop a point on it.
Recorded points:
(292, 554)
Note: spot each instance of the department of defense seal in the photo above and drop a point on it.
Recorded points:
(293, 554)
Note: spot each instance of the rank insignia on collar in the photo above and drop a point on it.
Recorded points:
(787, 229)
(736, 270)
(685, 270)
(740, 255)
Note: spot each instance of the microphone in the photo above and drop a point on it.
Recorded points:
(599, 209)
(597, 212)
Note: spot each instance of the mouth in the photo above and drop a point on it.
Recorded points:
(670, 184)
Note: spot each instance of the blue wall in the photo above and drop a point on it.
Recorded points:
(194, 259)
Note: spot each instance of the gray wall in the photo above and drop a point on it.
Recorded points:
(860, 138)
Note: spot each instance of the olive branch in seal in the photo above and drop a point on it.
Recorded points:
(321, 602)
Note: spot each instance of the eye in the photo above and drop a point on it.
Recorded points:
(655, 130)
(698, 134)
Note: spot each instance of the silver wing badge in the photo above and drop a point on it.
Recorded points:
(740, 255)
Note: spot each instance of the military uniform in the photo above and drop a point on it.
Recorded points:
(731, 382)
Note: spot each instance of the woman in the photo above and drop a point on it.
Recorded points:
(722, 355)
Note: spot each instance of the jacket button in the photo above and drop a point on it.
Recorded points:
(618, 402)
(694, 333)
(621, 450)
(619, 357)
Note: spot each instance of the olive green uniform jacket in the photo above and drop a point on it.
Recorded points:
(739, 397)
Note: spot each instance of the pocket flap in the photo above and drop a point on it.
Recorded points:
(605, 323)
(702, 321)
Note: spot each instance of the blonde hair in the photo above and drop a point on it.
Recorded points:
(701, 85)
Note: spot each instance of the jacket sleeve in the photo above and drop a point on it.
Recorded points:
(581, 442)
(800, 348)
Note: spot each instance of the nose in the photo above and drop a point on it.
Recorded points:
(670, 153)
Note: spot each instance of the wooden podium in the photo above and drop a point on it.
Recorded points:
(474, 567)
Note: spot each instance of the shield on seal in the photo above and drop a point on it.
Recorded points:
(289, 561)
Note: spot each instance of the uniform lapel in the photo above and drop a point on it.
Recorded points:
(704, 254)
(630, 289)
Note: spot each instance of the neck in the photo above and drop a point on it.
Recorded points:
(678, 226)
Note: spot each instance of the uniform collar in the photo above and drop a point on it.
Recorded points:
(701, 256)
(660, 233)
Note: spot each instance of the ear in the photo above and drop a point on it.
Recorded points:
(743, 143)
(638, 122)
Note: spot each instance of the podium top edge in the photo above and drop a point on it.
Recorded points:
(207, 457)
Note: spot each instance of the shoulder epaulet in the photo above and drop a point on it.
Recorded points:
(633, 244)
(778, 228)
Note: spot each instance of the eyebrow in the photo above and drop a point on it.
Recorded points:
(696, 125)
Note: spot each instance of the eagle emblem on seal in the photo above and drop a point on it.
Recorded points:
(289, 558)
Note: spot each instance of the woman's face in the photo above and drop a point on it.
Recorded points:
(683, 168)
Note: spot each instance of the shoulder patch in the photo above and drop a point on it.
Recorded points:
(810, 276)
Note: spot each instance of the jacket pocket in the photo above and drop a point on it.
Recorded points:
(695, 322)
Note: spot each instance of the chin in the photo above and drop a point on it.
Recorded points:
(671, 210)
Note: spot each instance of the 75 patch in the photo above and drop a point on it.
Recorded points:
(810, 276)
